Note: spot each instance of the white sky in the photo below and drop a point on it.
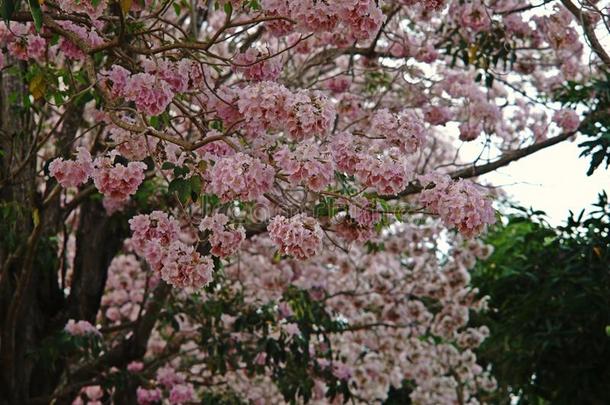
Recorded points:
(553, 180)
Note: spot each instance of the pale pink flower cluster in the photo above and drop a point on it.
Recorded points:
(150, 93)
(299, 236)
(22, 42)
(125, 288)
(155, 238)
(132, 145)
(183, 267)
(405, 130)
(81, 328)
(216, 149)
(116, 181)
(182, 75)
(354, 19)
(72, 173)
(241, 177)
(363, 212)
(153, 90)
(473, 15)
(181, 393)
(94, 394)
(85, 7)
(262, 105)
(151, 234)
(438, 115)
(257, 66)
(568, 120)
(460, 204)
(309, 114)
(148, 396)
(309, 164)
(387, 172)
(225, 240)
(271, 106)
(89, 36)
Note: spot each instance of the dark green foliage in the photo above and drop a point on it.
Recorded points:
(550, 298)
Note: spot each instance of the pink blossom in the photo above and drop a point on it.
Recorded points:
(117, 181)
(135, 366)
(257, 66)
(460, 204)
(309, 114)
(151, 234)
(568, 120)
(183, 267)
(81, 328)
(86, 7)
(299, 236)
(225, 240)
(72, 173)
(404, 131)
(148, 397)
(240, 177)
(181, 393)
(308, 164)
(168, 377)
(150, 93)
(436, 115)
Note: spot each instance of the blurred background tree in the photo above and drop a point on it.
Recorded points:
(549, 295)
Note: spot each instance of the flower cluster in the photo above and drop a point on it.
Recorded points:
(240, 176)
(460, 204)
(404, 131)
(568, 120)
(271, 106)
(225, 241)
(182, 266)
(155, 238)
(299, 236)
(256, 66)
(81, 328)
(309, 164)
(72, 173)
(117, 182)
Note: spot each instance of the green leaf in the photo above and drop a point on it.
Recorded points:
(181, 188)
(36, 13)
(7, 8)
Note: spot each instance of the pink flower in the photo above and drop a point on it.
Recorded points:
(168, 377)
(72, 173)
(257, 66)
(83, 6)
(438, 115)
(475, 16)
(117, 181)
(404, 131)
(94, 392)
(81, 328)
(260, 359)
(309, 165)
(460, 204)
(150, 93)
(299, 236)
(240, 177)
(181, 393)
(309, 114)
(157, 226)
(135, 366)
(183, 267)
(567, 119)
(148, 397)
(225, 241)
